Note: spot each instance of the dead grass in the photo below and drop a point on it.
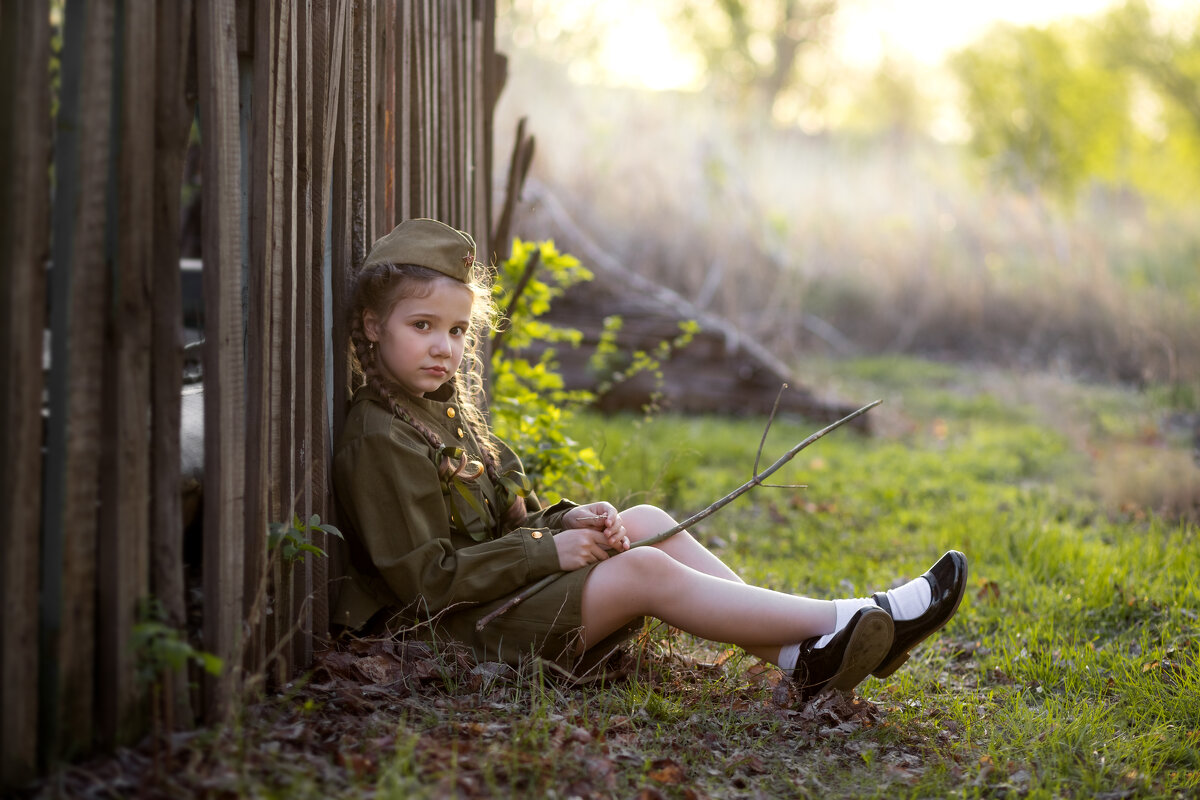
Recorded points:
(891, 245)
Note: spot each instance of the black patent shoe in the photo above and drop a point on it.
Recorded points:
(849, 656)
(947, 582)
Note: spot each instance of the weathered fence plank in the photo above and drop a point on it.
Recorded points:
(224, 397)
(24, 229)
(302, 588)
(341, 235)
(385, 200)
(78, 293)
(123, 552)
(265, 236)
(173, 120)
(328, 30)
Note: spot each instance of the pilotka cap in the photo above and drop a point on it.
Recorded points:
(426, 243)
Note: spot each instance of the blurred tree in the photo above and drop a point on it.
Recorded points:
(891, 103)
(1043, 109)
(559, 32)
(754, 50)
(1165, 55)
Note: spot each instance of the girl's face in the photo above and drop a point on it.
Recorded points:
(422, 339)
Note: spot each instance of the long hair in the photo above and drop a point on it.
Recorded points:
(378, 288)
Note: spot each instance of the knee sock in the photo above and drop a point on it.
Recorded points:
(908, 602)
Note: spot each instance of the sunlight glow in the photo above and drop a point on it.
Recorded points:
(638, 49)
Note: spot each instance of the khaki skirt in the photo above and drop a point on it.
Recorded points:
(548, 625)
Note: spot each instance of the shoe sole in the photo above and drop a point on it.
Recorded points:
(868, 645)
(896, 663)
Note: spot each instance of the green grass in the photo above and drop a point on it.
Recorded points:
(1069, 671)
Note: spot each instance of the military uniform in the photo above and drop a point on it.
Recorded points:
(425, 550)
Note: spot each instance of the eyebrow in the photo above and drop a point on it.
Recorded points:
(420, 314)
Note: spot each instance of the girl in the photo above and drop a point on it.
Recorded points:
(443, 528)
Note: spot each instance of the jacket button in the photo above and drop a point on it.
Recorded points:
(459, 433)
(536, 534)
(450, 413)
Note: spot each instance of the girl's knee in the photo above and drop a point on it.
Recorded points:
(638, 570)
(644, 521)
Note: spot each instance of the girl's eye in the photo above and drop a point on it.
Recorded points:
(421, 325)
(457, 331)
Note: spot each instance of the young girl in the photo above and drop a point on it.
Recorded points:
(443, 528)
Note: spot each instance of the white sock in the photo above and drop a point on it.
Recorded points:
(789, 654)
(908, 602)
(846, 609)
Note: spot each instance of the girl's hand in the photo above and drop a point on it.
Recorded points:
(602, 517)
(579, 547)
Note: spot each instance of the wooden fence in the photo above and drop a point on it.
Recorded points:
(321, 124)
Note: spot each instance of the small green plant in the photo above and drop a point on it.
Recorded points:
(612, 366)
(161, 647)
(294, 540)
(531, 408)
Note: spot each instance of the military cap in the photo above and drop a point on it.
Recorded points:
(426, 243)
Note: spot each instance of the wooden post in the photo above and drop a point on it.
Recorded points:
(123, 552)
(78, 295)
(342, 236)
(385, 149)
(265, 236)
(406, 179)
(173, 120)
(328, 34)
(224, 396)
(24, 229)
(302, 384)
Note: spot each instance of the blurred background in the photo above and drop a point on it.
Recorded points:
(1006, 183)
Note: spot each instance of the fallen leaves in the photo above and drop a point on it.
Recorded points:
(380, 712)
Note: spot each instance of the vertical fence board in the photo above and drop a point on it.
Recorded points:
(285, 392)
(78, 292)
(326, 61)
(302, 385)
(385, 115)
(266, 166)
(24, 228)
(405, 113)
(279, 502)
(341, 235)
(494, 77)
(359, 97)
(123, 552)
(224, 397)
(173, 117)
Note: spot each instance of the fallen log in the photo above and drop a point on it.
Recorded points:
(721, 371)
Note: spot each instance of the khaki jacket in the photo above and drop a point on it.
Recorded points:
(417, 546)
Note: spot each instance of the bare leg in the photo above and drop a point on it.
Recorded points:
(647, 581)
(642, 522)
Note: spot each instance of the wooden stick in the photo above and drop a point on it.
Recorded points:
(534, 588)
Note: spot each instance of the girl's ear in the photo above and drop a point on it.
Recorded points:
(370, 322)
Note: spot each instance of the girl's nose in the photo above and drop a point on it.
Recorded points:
(440, 345)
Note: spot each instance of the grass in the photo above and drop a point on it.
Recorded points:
(1069, 671)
